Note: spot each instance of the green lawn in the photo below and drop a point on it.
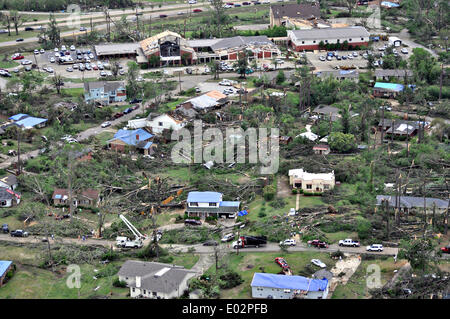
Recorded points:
(74, 92)
(8, 64)
(356, 287)
(266, 261)
(104, 137)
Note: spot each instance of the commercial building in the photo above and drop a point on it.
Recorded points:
(155, 280)
(204, 204)
(308, 40)
(310, 182)
(116, 50)
(273, 286)
(295, 15)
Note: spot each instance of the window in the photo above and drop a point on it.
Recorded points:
(154, 293)
(303, 42)
(134, 290)
(308, 186)
(195, 204)
(160, 123)
(286, 291)
(145, 291)
(314, 41)
(326, 186)
(212, 205)
(326, 41)
(349, 40)
(3, 203)
(362, 39)
(338, 41)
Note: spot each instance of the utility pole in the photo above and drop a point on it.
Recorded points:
(424, 208)
(382, 125)
(440, 84)
(19, 136)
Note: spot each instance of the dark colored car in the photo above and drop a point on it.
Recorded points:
(19, 233)
(237, 5)
(29, 29)
(135, 107)
(134, 101)
(246, 3)
(192, 222)
(446, 249)
(19, 40)
(117, 115)
(5, 228)
(128, 110)
(163, 16)
(318, 243)
(256, 3)
(210, 243)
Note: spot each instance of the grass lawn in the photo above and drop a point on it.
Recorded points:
(73, 92)
(239, 263)
(13, 223)
(24, 147)
(24, 254)
(8, 64)
(356, 287)
(103, 137)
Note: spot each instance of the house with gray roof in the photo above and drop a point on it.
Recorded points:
(326, 111)
(386, 74)
(9, 181)
(283, 14)
(411, 203)
(104, 92)
(155, 280)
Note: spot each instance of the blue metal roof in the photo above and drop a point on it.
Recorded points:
(288, 282)
(230, 204)
(4, 265)
(30, 121)
(204, 197)
(389, 86)
(18, 116)
(390, 4)
(129, 136)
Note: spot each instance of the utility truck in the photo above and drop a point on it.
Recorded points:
(125, 242)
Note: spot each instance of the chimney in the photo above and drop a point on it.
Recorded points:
(137, 137)
(138, 282)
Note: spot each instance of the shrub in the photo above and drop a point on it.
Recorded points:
(269, 192)
(294, 191)
(230, 279)
(262, 214)
(119, 283)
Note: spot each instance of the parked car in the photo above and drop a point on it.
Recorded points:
(446, 249)
(318, 263)
(36, 51)
(5, 228)
(404, 51)
(317, 243)
(161, 16)
(69, 69)
(375, 247)
(292, 212)
(83, 29)
(227, 238)
(19, 40)
(210, 243)
(72, 48)
(128, 110)
(103, 73)
(282, 262)
(19, 233)
(197, 10)
(225, 83)
(349, 243)
(288, 242)
(193, 222)
(105, 124)
(117, 115)
(322, 58)
(18, 56)
(135, 100)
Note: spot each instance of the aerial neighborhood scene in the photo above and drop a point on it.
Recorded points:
(205, 149)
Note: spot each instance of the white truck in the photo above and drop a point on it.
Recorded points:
(349, 243)
(125, 242)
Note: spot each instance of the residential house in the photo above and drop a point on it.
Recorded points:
(351, 75)
(389, 90)
(205, 102)
(311, 182)
(157, 123)
(5, 267)
(86, 198)
(104, 92)
(304, 15)
(27, 122)
(9, 181)
(321, 149)
(409, 204)
(155, 280)
(308, 40)
(274, 286)
(285, 140)
(204, 204)
(325, 112)
(138, 140)
(386, 74)
(8, 197)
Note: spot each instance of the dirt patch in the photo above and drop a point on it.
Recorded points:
(343, 270)
(283, 188)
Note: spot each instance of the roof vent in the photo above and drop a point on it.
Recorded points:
(162, 272)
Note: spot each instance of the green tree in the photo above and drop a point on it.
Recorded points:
(341, 142)
(53, 33)
(419, 253)
(424, 66)
(242, 64)
(280, 77)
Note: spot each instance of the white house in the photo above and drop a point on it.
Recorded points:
(157, 123)
(310, 182)
(204, 204)
(155, 280)
(9, 181)
(273, 286)
(8, 197)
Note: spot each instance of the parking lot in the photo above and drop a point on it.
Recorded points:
(49, 59)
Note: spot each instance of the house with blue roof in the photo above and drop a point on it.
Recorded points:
(5, 267)
(27, 122)
(204, 204)
(138, 140)
(389, 90)
(273, 286)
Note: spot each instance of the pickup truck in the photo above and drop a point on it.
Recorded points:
(19, 233)
(5, 228)
(349, 243)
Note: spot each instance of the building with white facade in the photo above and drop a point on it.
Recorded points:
(204, 204)
(157, 123)
(273, 286)
(310, 182)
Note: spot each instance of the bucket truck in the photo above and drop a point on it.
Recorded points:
(125, 242)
